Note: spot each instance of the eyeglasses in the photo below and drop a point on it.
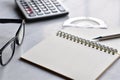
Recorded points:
(7, 51)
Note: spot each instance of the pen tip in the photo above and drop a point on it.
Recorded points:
(97, 38)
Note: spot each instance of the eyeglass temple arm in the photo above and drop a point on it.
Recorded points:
(11, 20)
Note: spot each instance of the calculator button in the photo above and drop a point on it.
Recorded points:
(32, 14)
(46, 12)
(48, 3)
(35, 7)
(40, 4)
(52, 8)
(54, 11)
(45, 9)
(37, 10)
(29, 12)
(45, 0)
(61, 8)
(54, 1)
(40, 13)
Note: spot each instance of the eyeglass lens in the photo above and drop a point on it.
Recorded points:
(8, 53)
(20, 35)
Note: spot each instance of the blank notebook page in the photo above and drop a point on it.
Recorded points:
(70, 59)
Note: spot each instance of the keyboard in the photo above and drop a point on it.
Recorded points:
(38, 9)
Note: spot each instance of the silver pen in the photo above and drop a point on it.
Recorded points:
(101, 38)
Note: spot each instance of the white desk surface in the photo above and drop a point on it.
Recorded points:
(107, 10)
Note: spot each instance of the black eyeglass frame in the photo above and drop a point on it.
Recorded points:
(14, 39)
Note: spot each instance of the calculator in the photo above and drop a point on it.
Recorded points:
(38, 9)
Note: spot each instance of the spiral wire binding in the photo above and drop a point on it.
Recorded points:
(88, 43)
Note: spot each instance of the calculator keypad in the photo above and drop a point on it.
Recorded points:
(35, 7)
(42, 8)
(27, 8)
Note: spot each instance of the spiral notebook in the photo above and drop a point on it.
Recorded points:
(72, 56)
